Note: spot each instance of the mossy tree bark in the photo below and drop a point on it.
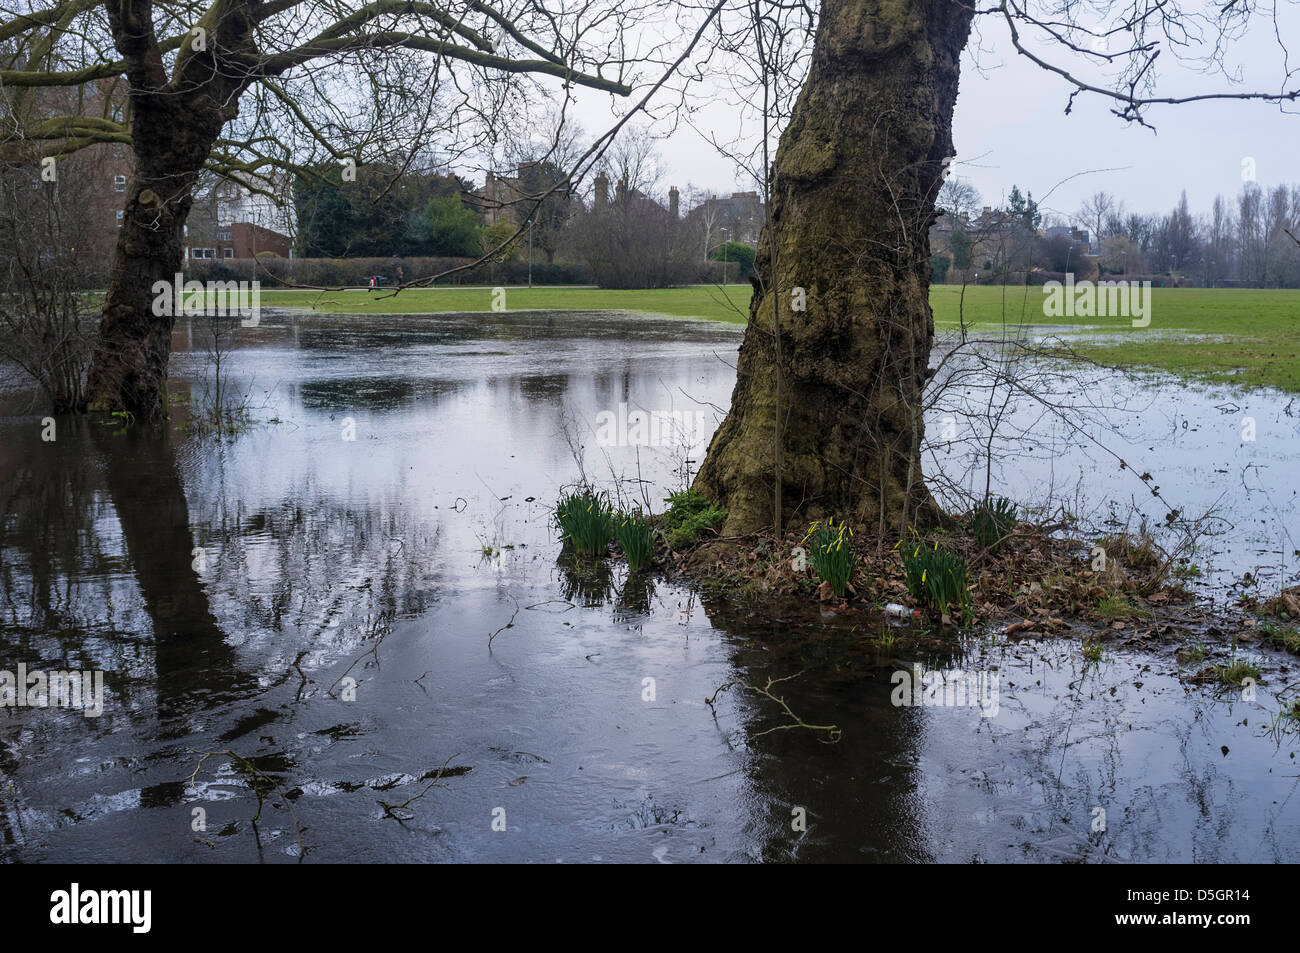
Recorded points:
(175, 120)
(129, 370)
(853, 189)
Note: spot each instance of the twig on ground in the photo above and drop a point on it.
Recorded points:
(833, 732)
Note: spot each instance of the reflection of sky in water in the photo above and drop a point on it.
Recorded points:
(319, 550)
(505, 385)
(1062, 447)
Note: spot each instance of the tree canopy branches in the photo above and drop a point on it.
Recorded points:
(375, 59)
(1129, 38)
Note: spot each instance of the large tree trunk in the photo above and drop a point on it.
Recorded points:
(175, 120)
(853, 189)
(173, 140)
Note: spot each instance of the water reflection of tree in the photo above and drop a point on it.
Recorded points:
(290, 579)
(859, 794)
(377, 393)
(63, 557)
(306, 564)
(543, 388)
(60, 574)
(196, 667)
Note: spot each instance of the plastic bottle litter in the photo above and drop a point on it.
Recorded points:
(901, 612)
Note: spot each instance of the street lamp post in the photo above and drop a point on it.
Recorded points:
(724, 253)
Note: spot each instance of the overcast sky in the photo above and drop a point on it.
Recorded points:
(1010, 128)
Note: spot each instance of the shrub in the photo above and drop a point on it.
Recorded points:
(992, 521)
(739, 255)
(585, 520)
(213, 269)
(936, 578)
(497, 233)
(356, 272)
(690, 514)
(831, 553)
(637, 540)
(939, 265)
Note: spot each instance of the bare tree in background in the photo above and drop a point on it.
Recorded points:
(541, 192)
(1096, 210)
(627, 235)
(46, 327)
(959, 199)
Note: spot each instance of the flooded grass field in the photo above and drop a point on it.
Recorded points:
(348, 633)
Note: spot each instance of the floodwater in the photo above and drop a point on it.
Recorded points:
(300, 625)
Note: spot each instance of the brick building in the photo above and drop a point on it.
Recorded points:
(229, 222)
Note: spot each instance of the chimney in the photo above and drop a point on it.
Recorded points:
(622, 191)
(602, 190)
(673, 201)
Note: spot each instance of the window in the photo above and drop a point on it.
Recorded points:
(223, 234)
(120, 215)
(227, 253)
(119, 183)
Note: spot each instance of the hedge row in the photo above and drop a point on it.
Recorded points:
(354, 272)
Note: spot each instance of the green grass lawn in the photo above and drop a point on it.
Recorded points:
(1242, 336)
(1252, 337)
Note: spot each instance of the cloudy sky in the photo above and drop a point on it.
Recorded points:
(1011, 129)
